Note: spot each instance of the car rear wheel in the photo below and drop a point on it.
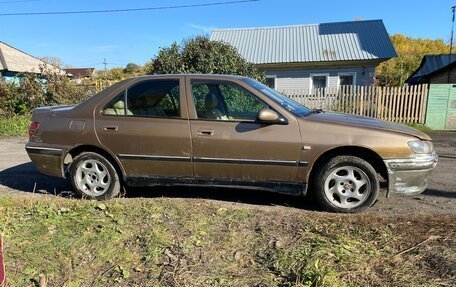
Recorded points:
(94, 177)
(346, 184)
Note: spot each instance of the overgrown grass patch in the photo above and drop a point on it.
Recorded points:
(14, 126)
(176, 242)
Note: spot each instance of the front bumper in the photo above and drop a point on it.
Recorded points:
(409, 176)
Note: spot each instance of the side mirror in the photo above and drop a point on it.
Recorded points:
(271, 117)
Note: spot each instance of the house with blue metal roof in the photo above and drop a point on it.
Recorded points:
(307, 57)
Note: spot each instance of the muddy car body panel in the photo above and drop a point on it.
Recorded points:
(187, 136)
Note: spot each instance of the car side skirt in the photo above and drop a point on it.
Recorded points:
(290, 188)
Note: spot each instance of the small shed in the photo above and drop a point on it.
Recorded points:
(435, 69)
(439, 71)
(78, 75)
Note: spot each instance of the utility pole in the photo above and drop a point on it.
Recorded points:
(105, 70)
(453, 9)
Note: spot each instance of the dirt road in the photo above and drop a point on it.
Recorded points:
(18, 177)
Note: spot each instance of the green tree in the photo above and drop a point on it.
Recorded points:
(410, 53)
(201, 55)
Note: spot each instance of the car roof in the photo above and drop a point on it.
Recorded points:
(190, 75)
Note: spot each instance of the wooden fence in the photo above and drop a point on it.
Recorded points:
(405, 104)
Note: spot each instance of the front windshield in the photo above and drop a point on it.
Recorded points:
(290, 105)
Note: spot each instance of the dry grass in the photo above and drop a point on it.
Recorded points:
(175, 242)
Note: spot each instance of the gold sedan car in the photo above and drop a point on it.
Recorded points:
(225, 131)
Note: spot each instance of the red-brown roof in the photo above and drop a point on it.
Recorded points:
(80, 72)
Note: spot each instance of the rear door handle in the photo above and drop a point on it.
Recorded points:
(205, 132)
(111, 128)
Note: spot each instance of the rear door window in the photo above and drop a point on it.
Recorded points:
(151, 98)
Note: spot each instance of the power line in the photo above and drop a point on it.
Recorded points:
(17, 1)
(128, 9)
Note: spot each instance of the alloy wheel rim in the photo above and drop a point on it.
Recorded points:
(92, 177)
(347, 187)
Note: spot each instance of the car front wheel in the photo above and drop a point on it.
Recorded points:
(94, 177)
(346, 184)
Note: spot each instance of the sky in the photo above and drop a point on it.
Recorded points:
(85, 40)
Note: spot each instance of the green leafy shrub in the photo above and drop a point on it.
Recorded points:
(32, 91)
(201, 55)
(14, 126)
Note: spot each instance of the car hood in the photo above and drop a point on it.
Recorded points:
(365, 122)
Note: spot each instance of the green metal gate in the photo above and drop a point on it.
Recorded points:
(441, 107)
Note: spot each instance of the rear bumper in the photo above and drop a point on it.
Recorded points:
(409, 176)
(48, 160)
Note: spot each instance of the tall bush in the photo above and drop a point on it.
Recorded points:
(201, 55)
(32, 90)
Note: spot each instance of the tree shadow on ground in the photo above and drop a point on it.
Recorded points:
(26, 178)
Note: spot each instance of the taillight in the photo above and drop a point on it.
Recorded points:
(33, 127)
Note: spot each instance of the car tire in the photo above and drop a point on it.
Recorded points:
(346, 184)
(94, 177)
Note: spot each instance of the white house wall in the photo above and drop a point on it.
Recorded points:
(300, 79)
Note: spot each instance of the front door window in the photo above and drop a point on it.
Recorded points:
(225, 101)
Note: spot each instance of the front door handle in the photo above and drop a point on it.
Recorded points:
(111, 128)
(205, 132)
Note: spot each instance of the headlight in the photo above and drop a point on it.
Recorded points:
(421, 146)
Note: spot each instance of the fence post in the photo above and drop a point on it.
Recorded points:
(396, 103)
(372, 102)
(409, 105)
(403, 102)
(344, 95)
(390, 104)
(379, 101)
(354, 107)
(361, 102)
(424, 94)
(414, 105)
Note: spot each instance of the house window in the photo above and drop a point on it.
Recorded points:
(271, 82)
(319, 82)
(347, 79)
